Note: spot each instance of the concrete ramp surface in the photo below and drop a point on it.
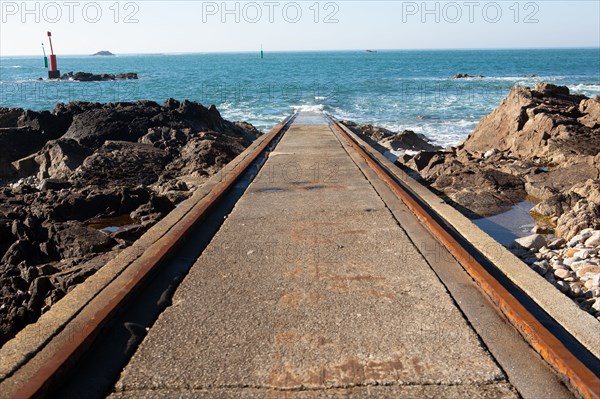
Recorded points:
(312, 289)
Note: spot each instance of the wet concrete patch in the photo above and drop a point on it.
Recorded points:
(311, 188)
(271, 190)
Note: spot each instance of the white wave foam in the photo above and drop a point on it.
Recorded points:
(585, 88)
(443, 133)
(308, 108)
(18, 81)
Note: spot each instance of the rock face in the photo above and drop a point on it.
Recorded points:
(93, 77)
(68, 174)
(23, 132)
(542, 143)
(546, 122)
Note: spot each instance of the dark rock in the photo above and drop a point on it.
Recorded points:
(54, 125)
(74, 239)
(249, 131)
(60, 158)
(121, 121)
(408, 140)
(86, 204)
(91, 163)
(466, 75)
(19, 251)
(76, 271)
(384, 139)
(25, 166)
(49, 250)
(153, 210)
(76, 107)
(92, 77)
(39, 289)
(9, 117)
(28, 273)
(6, 236)
(123, 163)
(171, 104)
(47, 269)
(205, 154)
(29, 132)
(16, 143)
(422, 159)
(54, 184)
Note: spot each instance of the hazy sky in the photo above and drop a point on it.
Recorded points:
(84, 27)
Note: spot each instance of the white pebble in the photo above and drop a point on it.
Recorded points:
(562, 273)
(593, 240)
(583, 254)
(570, 261)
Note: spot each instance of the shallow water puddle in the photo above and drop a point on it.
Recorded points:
(111, 224)
(510, 225)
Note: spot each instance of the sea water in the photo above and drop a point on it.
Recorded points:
(394, 89)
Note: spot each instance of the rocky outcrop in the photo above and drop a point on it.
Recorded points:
(93, 77)
(542, 143)
(575, 209)
(388, 140)
(547, 122)
(23, 132)
(476, 184)
(84, 181)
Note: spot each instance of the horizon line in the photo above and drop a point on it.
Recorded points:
(319, 51)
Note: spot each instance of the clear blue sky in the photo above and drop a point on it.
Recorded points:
(194, 26)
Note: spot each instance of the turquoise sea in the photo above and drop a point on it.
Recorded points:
(395, 89)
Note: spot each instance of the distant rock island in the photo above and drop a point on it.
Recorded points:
(92, 77)
(466, 75)
(103, 52)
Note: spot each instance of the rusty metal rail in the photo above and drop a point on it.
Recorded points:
(578, 375)
(39, 382)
